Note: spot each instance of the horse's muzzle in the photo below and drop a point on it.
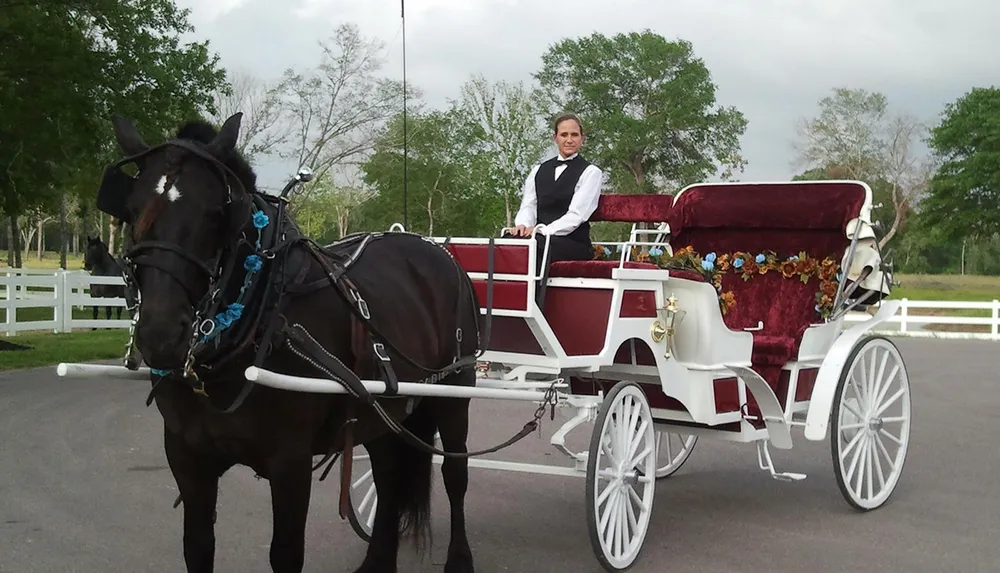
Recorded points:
(164, 341)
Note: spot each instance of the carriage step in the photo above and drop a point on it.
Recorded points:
(765, 463)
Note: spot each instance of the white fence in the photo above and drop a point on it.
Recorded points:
(52, 295)
(61, 291)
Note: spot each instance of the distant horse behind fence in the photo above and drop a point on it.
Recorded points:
(97, 260)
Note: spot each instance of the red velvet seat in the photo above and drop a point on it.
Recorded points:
(788, 219)
(619, 208)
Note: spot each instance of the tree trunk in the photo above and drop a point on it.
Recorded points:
(63, 232)
(15, 242)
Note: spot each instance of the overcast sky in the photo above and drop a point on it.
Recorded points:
(772, 59)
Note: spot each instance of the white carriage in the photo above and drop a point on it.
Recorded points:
(655, 357)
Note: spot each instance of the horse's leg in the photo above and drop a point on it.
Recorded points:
(96, 309)
(403, 480)
(452, 416)
(291, 485)
(198, 481)
(384, 545)
(107, 312)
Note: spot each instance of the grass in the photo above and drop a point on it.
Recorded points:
(49, 349)
(49, 260)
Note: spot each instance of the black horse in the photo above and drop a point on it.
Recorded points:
(97, 260)
(226, 281)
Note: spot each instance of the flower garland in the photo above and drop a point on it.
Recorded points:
(713, 266)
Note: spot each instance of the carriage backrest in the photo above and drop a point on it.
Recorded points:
(786, 218)
(629, 208)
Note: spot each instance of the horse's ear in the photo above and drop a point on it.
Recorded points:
(228, 135)
(128, 138)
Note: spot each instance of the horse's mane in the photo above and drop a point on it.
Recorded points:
(204, 132)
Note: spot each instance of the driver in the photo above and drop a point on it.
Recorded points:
(560, 195)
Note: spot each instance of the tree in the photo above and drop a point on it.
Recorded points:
(440, 198)
(964, 195)
(500, 131)
(648, 107)
(261, 132)
(67, 67)
(856, 134)
(337, 111)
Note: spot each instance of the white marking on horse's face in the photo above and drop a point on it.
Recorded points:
(173, 193)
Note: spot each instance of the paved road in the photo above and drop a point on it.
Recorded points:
(84, 488)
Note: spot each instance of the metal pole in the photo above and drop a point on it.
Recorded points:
(402, 10)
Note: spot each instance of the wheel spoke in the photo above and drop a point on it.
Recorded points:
(857, 456)
(860, 467)
(890, 436)
(608, 508)
(643, 507)
(890, 401)
(605, 493)
(854, 441)
(636, 440)
(849, 408)
(635, 460)
(879, 380)
(874, 444)
(885, 452)
(612, 525)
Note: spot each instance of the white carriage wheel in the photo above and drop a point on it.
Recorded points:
(621, 469)
(870, 425)
(363, 496)
(668, 454)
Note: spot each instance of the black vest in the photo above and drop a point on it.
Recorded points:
(555, 195)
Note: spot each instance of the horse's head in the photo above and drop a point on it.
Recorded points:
(186, 208)
(94, 253)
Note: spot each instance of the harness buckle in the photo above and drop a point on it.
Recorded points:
(362, 305)
(380, 351)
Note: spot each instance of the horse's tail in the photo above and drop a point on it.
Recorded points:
(414, 485)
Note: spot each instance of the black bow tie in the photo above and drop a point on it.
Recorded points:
(564, 161)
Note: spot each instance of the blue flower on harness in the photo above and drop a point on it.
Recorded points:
(231, 315)
(760, 259)
(260, 219)
(738, 263)
(253, 262)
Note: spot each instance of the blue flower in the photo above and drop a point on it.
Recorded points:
(655, 251)
(707, 265)
(760, 258)
(253, 263)
(793, 258)
(231, 315)
(710, 257)
(738, 262)
(840, 277)
(260, 219)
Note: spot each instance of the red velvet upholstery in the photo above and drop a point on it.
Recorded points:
(627, 208)
(787, 219)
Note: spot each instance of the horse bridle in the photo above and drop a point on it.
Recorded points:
(115, 189)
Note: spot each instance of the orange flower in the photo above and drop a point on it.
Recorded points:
(828, 288)
(750, 267)
(729, 298)
(723, 262)
(787, 269)
(828, 269)
(807, 266)
(685, 251)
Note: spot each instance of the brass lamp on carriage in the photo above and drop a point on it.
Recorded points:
(664, 326)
